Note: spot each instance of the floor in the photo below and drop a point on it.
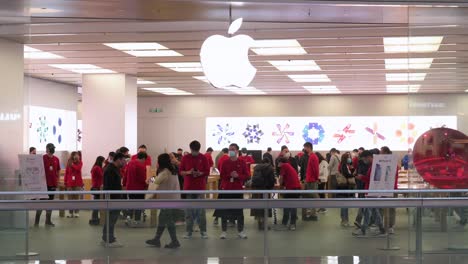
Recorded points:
(75, 239)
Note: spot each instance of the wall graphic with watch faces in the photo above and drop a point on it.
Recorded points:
(51, 125)
(343, 132)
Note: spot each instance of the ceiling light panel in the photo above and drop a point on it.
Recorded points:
(167, 91)
(278, 47)
(412, 44)
(412, 88)
(408, 63)
(244, 91)
(309, 78)
(322, 89)
(144, 49)
(396, 77)
(202, 78)
(295, 65)
(183, 66)
(81, 68)
(32, 53)
(142, 82)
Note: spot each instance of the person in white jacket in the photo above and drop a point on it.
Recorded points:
(333, 170)
(323, 177)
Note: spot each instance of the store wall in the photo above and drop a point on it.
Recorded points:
(183, 118)
(51, 94)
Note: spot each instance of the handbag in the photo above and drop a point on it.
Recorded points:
(351, 182)
(341, 180)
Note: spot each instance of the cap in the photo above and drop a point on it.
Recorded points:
(50, 145)
(244, 150)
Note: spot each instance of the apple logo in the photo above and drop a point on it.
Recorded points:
(225, 61)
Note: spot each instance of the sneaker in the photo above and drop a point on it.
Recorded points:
(223, 235)
(242, 235)
(49, 224)
(292, 227)
(187, 235)
(154, 242)
(77, 215)
(115, 244)
(391, 231)
(359, 233)
(322, 210)
(70, 216)
(357, 225)
(173, 244)
(204, 235)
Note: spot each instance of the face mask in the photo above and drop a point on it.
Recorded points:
(350, 160)
(287, 155)
(110, 160)
(232, 153)
(244, 154)
(195, 153)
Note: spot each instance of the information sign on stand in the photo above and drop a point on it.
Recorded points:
(384, 169)
(32, 175)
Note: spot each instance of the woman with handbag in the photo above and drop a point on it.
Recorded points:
(346, 182)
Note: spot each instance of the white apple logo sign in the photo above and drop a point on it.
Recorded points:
(225, 61)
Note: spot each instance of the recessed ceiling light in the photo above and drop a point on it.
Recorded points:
(408, 63)
(412, 88)
(322, 89)
(140, 81)
(310, 78)
(81, 68)
(395, 77)
(167, 91)
(295, 65)
(183, 66)
(32, 53)
(278, 47)
(412, 44)
(136, 46)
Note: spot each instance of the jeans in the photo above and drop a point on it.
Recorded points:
(194, 213)
(375, 214)
(113, 217)
(344, 214)
(290, 213)
(136, 214)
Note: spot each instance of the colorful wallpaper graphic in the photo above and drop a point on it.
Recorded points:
(344, 133)
(50, 125)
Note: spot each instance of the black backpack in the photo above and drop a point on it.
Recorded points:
(263, 177)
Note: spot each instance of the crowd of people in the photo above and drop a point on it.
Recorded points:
(189, 171)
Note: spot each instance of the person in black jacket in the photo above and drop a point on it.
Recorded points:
(345, 169)
(267, 155)
(263, 179)
(112, 181)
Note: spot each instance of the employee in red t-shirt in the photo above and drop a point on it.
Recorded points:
(195, 170)
(233, 174)
(73, 179)
(52, 173)
(143, 149)
(247, 159)
(312, 179)
(223, 158)
(209, 157)
(136, 181)
(96, 185)
(289, 180)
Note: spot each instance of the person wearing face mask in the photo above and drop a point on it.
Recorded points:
(109, 159)
(73, 180)
(195, 169)
(333, 168)
(233, 174)
(345, 169)
(285, 154)
(52, 174)
(311, 180)
(96, 180)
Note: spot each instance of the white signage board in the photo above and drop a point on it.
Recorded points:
(383, 172)
(32, 175)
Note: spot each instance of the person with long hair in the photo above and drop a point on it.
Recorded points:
(167, 180)
(73, 179)
(96, 185)
(345, 169)
(323, 177)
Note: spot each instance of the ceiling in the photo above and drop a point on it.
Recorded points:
(344, 38)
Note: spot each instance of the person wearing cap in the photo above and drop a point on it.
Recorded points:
(52, 173)
(247, 159)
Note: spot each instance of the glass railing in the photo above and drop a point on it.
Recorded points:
(412, 224)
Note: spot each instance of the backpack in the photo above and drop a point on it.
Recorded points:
(263, 177)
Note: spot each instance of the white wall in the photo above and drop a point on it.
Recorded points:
(183, 118)
(51, 94)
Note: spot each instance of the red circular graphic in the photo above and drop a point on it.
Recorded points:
(441, 158)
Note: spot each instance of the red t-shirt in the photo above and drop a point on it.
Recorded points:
(210, 159)
(198, 163)
(73, 176)
(221, 161)
(312, 171)
(96, 177)
(355, 162)
(52, 170)
(135, 176)
(290, 177)
(147, 161)
(248, 161)
(229, 183)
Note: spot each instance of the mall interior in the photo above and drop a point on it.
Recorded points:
(96, 76)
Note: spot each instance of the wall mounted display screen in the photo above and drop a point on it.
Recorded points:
(345, 133)
(50, 125)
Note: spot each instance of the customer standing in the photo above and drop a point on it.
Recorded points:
(73, 180)
(333, 168)
(345, 168)
(113, 182)
(263, 178)
(52, 173)
(323, 177)
(289, 180)
(312, 179)
(267, 155)
(195, 170)
(136, 181)
(167, 180)
(233, 175)
(96, 180)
